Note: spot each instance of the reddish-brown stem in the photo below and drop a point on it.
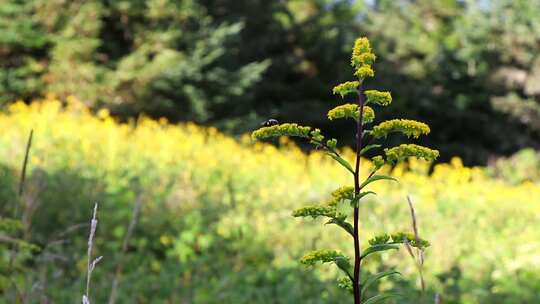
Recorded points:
(357, 253)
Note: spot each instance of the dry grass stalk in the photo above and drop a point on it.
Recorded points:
(418, 253)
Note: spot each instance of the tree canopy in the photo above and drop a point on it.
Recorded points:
(468, 68)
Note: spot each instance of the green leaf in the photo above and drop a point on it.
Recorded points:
(343, 264)
(377, 248)
(374, 278)
(356, 199)
(382, 297)
(343, 224)
(376, 178)
(368, 148)
(362, 194)
(342, 162)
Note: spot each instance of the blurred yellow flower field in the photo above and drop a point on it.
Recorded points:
(478, 224)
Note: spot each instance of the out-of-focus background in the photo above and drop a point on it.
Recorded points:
(144, 106)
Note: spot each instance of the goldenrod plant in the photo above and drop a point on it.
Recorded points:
(346, 199)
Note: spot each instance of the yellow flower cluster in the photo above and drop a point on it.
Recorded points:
(401, 237)
(379, 240)
(341, 194)
(455, 204)
(350, 110)
(315, 211)
(286, 129)
(398, 238)
(378, 97)
(364, 71)
(378, 161)
(402, 152)
(411, 128)
(362, 58)
(323, 256)
(346, 88)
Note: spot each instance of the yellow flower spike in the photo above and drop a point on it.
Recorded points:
(411, 128)
(346, 88)
(286, 129)
(402, 152)
(378, 97)
(341, 194)
(315, 211)
(368, 115)
(364, 71)
(323, 256)
(362, 58)
(362, 48)
(350, 110)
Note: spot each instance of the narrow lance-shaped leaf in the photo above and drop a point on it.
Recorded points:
(376, 178)
(356, 199)
(369, 148)
(362, 194)
(378, 248)
(382, 297)
(343, 224)
(374, 278)
(343, 264)
(342, 162)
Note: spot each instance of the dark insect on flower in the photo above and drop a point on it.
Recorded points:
(269, 123)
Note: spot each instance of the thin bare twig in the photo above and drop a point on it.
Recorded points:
(13, 249)
(419, 256)
(25, 162)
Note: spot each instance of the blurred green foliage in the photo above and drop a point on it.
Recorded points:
(459, 64)
(235, 63)
(521, 167)
(167, 58)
